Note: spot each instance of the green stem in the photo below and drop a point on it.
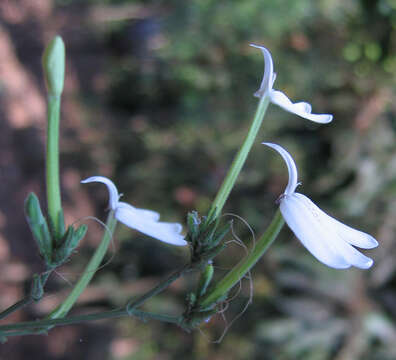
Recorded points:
(239, 160)
(130, 310)
(89, 270)
(25, 301)
(52, 163)
(143, 315)
(132, 304)
(239, 271)
(18, 305)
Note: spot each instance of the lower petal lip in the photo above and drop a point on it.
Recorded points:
(163, 231)
(315, 229)
(279, 98)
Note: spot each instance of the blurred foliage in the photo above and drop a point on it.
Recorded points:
(174, 103)
(180, 81)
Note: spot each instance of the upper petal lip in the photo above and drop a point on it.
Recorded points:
(302, 109)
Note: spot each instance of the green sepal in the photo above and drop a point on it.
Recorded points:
(37, 288)
(220, 234)
(79, 235)
(204, 280)
(212, 253)
(52, 230)
(193, 222)
(60, 232)
(191, 299)
(63, 251)
(212, 305)
(69, 242)
(210, 218)
(39, 227)
(208, 232)
(197, 318)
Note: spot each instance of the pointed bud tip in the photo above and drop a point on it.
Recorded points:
(32, 207)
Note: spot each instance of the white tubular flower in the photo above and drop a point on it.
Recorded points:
(329, 240)
(145, 221)
(302, 109)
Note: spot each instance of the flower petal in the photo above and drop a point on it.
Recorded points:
(269, 77)
(310, 232)
(291, 167)
(113, 192)
(329, 233)
(137, 219)
(352, 236)
(153, 215)
(302, 109)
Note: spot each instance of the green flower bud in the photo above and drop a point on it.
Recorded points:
(54, 66)
(37, 289)
(38, 226)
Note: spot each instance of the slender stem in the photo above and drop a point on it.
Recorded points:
(239, 271)
(52, 163)
(18, 305)
(89, 270)
(5, 335)
(132, 304)
(116, 313)
(239, 159)
(27, 300)
(129, 310)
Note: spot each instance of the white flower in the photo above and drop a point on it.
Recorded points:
(325, 238)
(145, 221)
(302, 109)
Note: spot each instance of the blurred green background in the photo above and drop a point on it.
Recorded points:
(158, 97)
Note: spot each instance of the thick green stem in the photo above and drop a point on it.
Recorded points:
(52, 163)
(239, 271)
(239, 160)
(89, 271)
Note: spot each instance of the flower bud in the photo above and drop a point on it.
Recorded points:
(54, 66)
(37, 288)
(39, 227)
